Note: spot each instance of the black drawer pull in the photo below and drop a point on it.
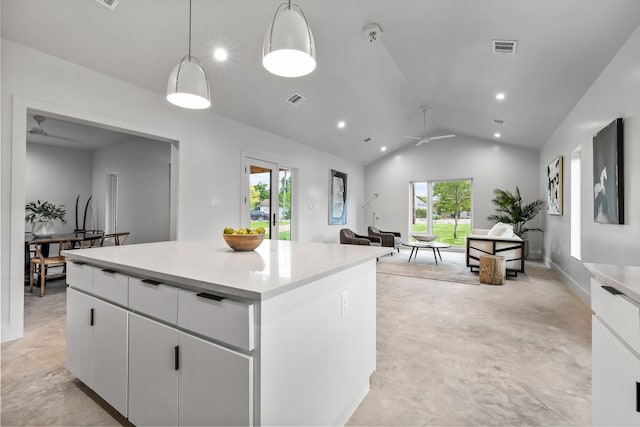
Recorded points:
(176, 357)
(637, 396)
(91, 321)
(151, 282)
(79, 263)
(612, 290)
(210, 296)
(108, 271)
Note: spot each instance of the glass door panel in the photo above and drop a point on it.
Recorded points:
(260, 184)
(268, 202)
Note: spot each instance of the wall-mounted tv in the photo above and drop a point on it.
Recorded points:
(608, 174)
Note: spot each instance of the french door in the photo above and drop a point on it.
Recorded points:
(267, 201)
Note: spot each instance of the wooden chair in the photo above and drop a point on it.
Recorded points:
(40, 264)
(90, 238)
(117, 238)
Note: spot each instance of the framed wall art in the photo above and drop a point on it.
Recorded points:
(337, 197)
(608, 174)
(554, 187)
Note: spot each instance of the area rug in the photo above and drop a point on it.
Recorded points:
(452, 268)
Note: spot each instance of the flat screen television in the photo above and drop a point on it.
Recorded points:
(608, 174)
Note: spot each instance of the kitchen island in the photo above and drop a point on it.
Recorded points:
(193, 333)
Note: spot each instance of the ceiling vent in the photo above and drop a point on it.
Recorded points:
(506, 47)
(296, 99)
(498, 121)
(366, 140)
(111, 4)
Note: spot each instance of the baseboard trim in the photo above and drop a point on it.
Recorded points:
(582, 293)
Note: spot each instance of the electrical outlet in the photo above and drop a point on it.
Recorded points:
(214, 203)
(344, 304)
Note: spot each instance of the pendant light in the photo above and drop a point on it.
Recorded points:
(188, 86)
(289, 49)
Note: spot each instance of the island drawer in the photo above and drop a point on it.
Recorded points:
(217, 317)
(111, 285)
(80, 275)
(617, 311)
(153, 298)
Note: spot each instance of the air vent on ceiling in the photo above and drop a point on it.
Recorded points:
(296, 99)
(366, 140)
(498, 121)
(111, 4)
(507, 47)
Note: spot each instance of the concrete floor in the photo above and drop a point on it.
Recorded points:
(448, 354)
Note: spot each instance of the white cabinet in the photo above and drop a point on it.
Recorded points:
(215, 384)
(616, 375)
(178, 379)
(153, 381)
(97, 346)
(616, 362)
(79, 334)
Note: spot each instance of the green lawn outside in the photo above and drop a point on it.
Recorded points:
(444, 231)
(283, 235)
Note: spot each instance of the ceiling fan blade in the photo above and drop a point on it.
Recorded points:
(413, 137)
(63, 138)
(441, 137)
(421, 141)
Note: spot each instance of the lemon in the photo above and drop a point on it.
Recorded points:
(260, 230)
(228, 230)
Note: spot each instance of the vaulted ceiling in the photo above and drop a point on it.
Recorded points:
(431, 52)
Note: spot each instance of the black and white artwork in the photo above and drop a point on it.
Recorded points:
(554, 187)
(337, 197)
(608, 175)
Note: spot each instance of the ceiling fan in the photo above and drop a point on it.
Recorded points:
(39, 130)
(422, 140)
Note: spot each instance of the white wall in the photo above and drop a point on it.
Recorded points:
(489, 164)
(143, 168)
(58, 175)
(615, 93)
(210, 157)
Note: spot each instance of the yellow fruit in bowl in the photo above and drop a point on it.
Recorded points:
(260, 230)
(228, 230)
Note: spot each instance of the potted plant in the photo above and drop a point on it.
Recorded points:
(511, 210)
(42, 215)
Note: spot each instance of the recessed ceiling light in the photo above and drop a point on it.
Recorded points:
(341, 124)
(383, 148)
(497, 135)
(220, 54)
(500, 96)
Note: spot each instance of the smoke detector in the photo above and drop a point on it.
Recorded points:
(372, 32)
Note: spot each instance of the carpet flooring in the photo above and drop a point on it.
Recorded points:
(447, 354)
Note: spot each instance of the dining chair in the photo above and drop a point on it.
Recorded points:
(40, 264)
(116, 238)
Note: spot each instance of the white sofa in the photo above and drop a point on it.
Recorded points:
(510, 246)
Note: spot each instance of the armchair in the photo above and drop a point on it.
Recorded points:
(481, 242)
(389, 239)
(348, 237)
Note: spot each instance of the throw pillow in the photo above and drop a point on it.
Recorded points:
(497, 230)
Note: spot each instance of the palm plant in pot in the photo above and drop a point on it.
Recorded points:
(42, 215)
(511, 210)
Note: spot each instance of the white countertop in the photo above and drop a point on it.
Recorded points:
(622, 277)
(273, 268)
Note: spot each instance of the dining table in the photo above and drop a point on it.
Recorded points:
(75, 240)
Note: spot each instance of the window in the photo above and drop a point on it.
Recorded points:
(576, 212)
(442, 208)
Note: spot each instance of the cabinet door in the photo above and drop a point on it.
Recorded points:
(215, 384)
(153, 379)
(109, 372)
(616, 373)
(79, 331)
